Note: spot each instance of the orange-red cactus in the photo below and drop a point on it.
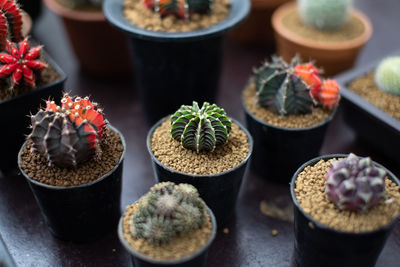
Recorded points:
(310, 75)
(329, 96)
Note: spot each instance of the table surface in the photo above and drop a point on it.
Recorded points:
(249, 241)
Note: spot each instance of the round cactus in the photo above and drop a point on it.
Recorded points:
(355, 183)
(200, 129)
(70, 134)
(387, 75)
(324, 14)
(179, 8)
(168, 210)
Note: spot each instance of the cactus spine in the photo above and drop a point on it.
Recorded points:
(387, 75)
(70, 134)
(10, 22)
(179, 8)
(168, 210)
(355, 183)
(200, 129)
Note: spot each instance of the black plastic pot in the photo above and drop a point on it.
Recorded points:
(318, 245)
(5, 258)
(175, 68)
(374, 127)
(84, 212)
(219, 191)
(14, 116)
(197, 259)
(279, 151)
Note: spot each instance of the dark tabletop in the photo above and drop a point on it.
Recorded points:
(249, 241)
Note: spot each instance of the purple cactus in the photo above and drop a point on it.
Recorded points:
(355, 183)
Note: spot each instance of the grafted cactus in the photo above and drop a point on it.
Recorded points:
(10, 22)
(179, 8)
(70, 134)
(168, 210)
(279, 88)
(355, 183)
(387, 75)
(200, 129)
(324, 14)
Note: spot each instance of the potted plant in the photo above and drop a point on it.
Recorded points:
(169, 226)
(100, 50)
(27, 75)
(288, 108)
(202, 147)
(257, 30)
(372, 103)
(177, 60)
(345, 207)
(72, 162)
(328, 31)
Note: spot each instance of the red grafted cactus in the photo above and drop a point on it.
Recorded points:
(329, 95)
(355, 183)
(10, 22)
(21, 63)
(69, 134)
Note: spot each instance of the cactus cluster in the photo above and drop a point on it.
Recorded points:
(324, 14)
(179, 8)
(81, 3)
(168, 210)
(69, 134)
(10, 22)
(387, 75)
(293, 88)
(355, 183)
(200, 129)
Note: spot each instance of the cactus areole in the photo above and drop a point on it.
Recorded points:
(293, 88)
(69, 134)
(200, 129)
(179, 8)
(355, 183)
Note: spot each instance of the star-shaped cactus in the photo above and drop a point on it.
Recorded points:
(21, 62)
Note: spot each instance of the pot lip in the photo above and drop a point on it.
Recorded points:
(270, 4)
(61, 80)
(345, 78)
(168, 261)
(266, 124)
(54, 187)
(114, 14)
(27, 23)
(325, 227)
(244, 161)
(325, 46)
(72, 14)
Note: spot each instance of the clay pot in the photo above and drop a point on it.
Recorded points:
(332, 57)
(100, 49)
(257, 30)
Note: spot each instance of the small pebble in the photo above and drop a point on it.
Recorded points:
(274, 232)
(226, 231)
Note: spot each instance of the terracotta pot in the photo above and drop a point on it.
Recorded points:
(26, 23)
(100, 49)
(332, 57)
(257, 30)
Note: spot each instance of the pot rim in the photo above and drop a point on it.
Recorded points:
(264, 123)
(168, 261)
(54, 187)
(114, 14)
(26, 23)
(325, 227)
(56, 67)
(157, 124)
(280, 29)
(88, 16)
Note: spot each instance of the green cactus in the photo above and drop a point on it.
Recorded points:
(280, 89)
(200, 129)
(387, 75)
(324, 14)
(168, 210)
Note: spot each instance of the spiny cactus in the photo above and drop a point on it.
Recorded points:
(355, 183)
(10, 22)
(310, 75)
(200, 129)
(168, 210)
(180, 8)
(70, 134)
(324, 14)
(21, 62)
(387, 75)
(279, 88)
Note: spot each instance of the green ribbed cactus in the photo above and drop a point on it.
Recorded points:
(324, 14)
(200, 129)
(387, 75)
(166, 211)
(280, 89)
